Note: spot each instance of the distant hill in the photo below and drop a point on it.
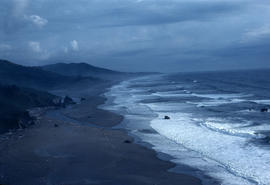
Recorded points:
(81, 69)
(23, 87)
(35, 77)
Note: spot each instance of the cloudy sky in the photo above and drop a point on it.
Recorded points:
(138, 35)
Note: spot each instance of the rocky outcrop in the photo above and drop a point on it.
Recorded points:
(67, 101)
(264, 110)
(57, 101)
(167, 117)
(25, 120)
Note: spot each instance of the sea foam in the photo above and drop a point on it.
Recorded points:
(215, 146)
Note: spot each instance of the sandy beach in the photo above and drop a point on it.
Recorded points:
(76, 146)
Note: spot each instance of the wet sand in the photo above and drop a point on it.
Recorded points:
(76, 146)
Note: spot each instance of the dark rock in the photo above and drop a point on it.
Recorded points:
(127, 141)
(264, 110)
(57, 101)
(148, 131)
(83, 99)
(167, 117)
(31, 122)
(55, 125)
(68, 101)
(266, 139)
(25, 120)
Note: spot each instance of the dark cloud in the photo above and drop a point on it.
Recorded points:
(140, 35)
(171, 13)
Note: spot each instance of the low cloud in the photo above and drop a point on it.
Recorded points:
(35, 46)
(5, 47)
(38, 53)
(65, 49)
(257, 34)
(74, 45)
(36, 20)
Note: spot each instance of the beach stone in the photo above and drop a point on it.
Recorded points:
(264, 110)
(167, 117)
(127, 141)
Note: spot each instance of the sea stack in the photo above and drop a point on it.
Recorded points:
(167, 117)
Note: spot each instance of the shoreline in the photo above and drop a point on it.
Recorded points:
(73, 153)
(179, 168)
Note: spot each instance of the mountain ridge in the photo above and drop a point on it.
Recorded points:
(36, 77)
(81, 69)
(23, 87)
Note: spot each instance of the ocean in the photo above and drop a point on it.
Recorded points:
(219, 125)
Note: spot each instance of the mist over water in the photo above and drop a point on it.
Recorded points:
(216, 121)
